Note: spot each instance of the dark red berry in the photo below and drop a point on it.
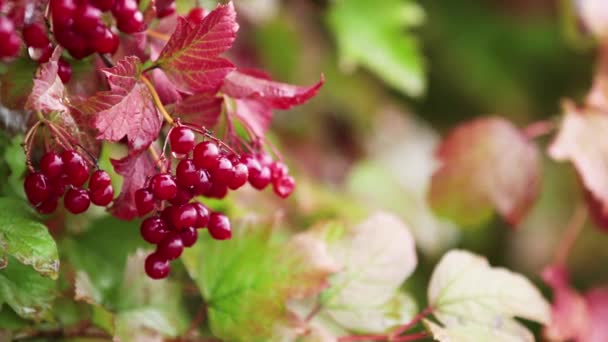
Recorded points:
(131, 23)
(196, 15)
(34, 35)
(203, 183)
(76, 200)
(186, 173)
(99, 180)
(124, 8)
(189, 236)
(206, 155)
(156, 266)
(103, 5)
(153, 229)
(262, 179)
(253, 165)
(168, 215)
(223, 171)
(278, 170)
(87, 18)
(48, 206)
(75, 167)
(144, 201)
(239, 177)
(41, 55)
(202, 217)
(265, 159)
(51, 165)
(182, 140)
(102, 196)
(219, 226)
(166, 10)
(104, 40)
(62, 10)
(163, 186)
(218, 190)
(284, 186)
(171, 247)
(64, 70)
(184, 195)
(37, 188)
(11, 46)
(185, 216)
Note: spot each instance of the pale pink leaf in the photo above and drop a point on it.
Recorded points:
(48, 93)
(487, 165)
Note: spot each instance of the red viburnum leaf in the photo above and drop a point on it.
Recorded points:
(126, 109)
(191, 56)
(486, 164)
(166, 90)
(199, 109)
(575, 317)
(256, 115)
(135, 169)
(48, 93)
(245, 85)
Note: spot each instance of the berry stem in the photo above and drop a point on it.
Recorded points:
(539, 128)
(27, 145)
(158, 35)
(157, 159)
(362, 338)
(412, 337)
(207, 133)
(157, 101)
(422, 314)
(570, 234)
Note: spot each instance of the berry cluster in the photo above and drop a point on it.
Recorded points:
(64, 175)
(204, 169)
(8, 36)
(40, 49)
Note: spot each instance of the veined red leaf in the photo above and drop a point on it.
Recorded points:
(254, 114)
(165, 89)
(487, 165)
(200, 109)
(48, 92)
(135, 169)
(191, 56)
(245, 85)
(126, 109)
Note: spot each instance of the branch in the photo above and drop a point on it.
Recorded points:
(570, 234)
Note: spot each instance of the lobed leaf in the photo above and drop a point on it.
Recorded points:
(48, 92)
(127, 109)
(495, 163)
(23, 237)
(191, 56)
(507, 330)
(200, 109)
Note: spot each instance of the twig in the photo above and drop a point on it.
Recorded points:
(412, 337)
(363, 338)
(427, 311)
(570, 234)
(318, 307)
(538, 129)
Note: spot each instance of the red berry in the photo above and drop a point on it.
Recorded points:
(64, 71)
(10, 46)
(48, 206)
(219, 227)
(62, 10)
(253, 165)
(218, 190)
(124, 8)
(186, 173)
(265, 159)
(75, 167)
(196, 15)
(223, 171)
(37, 188)
(203, 183)
(104, 40)
(182, 140)
(163, 186)
(202, 217)
(87, 18)
(189, 236)
(284, 186)
(185, 216)
(41, 55)
(76, 200)
(156, 266)
(144, 201)
(102, 196)
(131, 23)
(99, 180)
(166, 11)
(262, 179)
(153, 229)
(239, 177)
(278, 170)
(206, 155)
(34, 35)
(168, 215)
(184, 195)
(171, 247)
(103, 5)
(59, 185)
(51, 165)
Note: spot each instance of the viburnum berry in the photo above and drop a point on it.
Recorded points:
(48, 206)
(189, 236)
(163, 186)
(278, 170)
(51, 165)
(203, 183)
(77, 200)
(239, 176)
(219, 226)
(196, 15)
(34, 35)
(103, 5)
(184, 195)
(37, 188)
(156, 266)
(185, 216)
(206, 155)
(284, 186)
(104, 40)
(202, 215)
(182, 140)
(64, 70)
(186, 173)
(154, 229)
(218, 190)
(102, 196)
(75, 167)
(11, 43)
(131, 23)
(261, 179)
(144, 201)
(86, 18)
(171, 247)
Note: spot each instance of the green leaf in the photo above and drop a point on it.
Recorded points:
(371, 33)
(245, 282)
(15, 159)
(26, 239)
(466, 293)
(25, 291)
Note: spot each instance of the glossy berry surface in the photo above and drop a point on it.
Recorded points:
(48, 206)
(189, 236)
(153, 229)
(156, 266)
(184, 195)
(34, 35)
(105, 41)
(185, 216)
(37, 188)
(103, 5)
(219, 226)
(144, 201)
(223, 171)
(239, 176)
(102, 196)
(206, 155)
(186, 173)
(284, 186)
(202, 217)
(51, 165)
(196, 15)
(75, 167)
(163, 186)
(99, 180)
(64, 70)
(203, 183)
(182, 140)
(77, 201)
(171, 247)
(262, 179)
